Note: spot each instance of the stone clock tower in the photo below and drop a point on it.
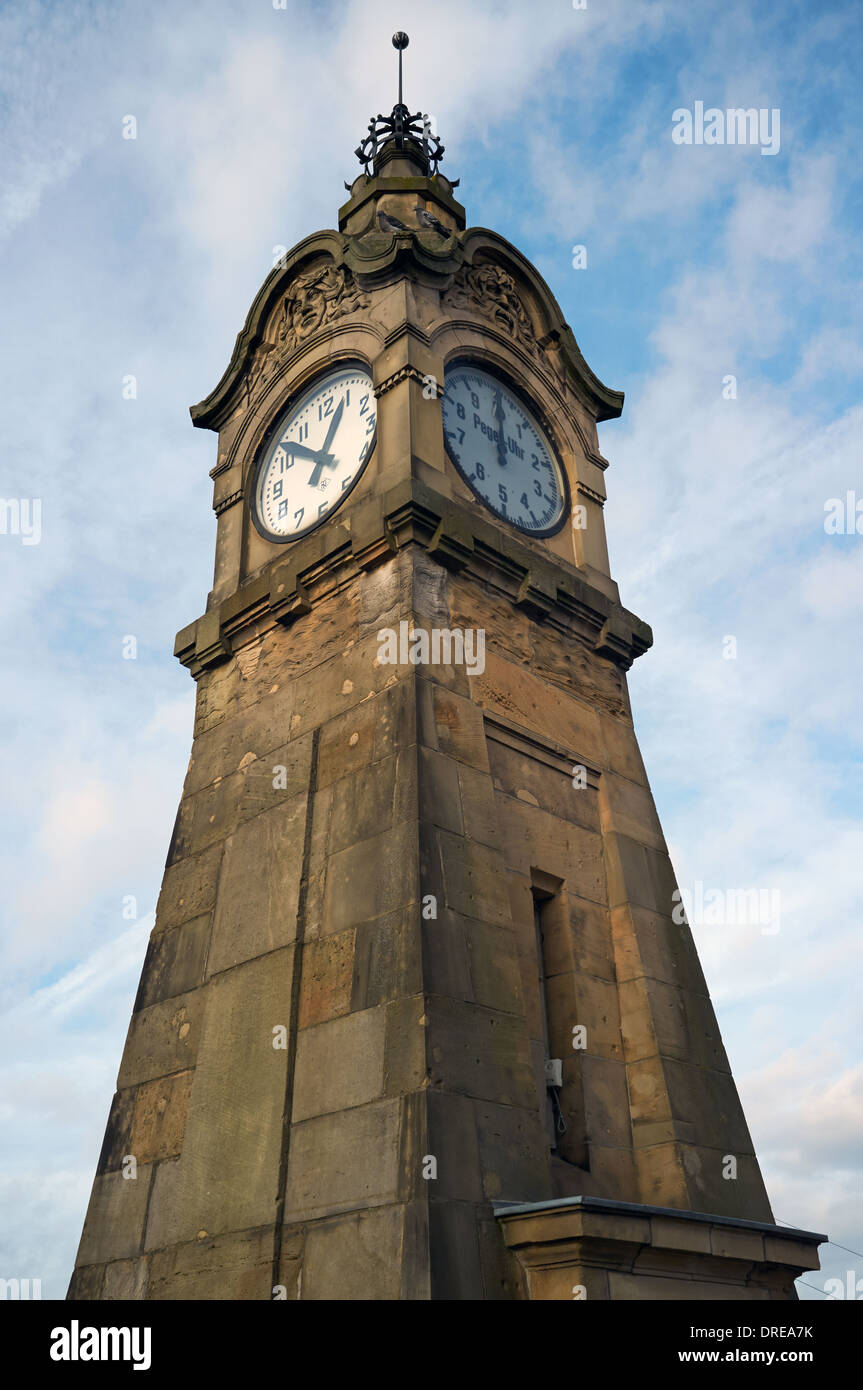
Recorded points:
(418, 1019)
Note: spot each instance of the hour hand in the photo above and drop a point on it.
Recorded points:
(301, 451)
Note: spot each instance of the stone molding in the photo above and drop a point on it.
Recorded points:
(626, 1250)
(414, 514)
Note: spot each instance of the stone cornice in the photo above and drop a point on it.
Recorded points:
(547, 590)
(459, 266)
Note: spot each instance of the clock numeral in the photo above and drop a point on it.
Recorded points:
(534, 461)
(322, 508)
(524, 501)
(298, 516)
(329, 402)
(460, 411)
(537, 487)
(474, 400)
(370, 424)
(364, 404)
(480, 471)
(283, 509)
(278, 490)
(504, 495)
(346, 480)
(461, 437)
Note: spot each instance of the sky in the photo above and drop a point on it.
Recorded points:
(719, 286)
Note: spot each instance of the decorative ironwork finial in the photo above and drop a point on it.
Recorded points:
(401, 128)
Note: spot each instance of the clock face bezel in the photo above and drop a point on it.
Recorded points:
(299, 397)
(534, 410)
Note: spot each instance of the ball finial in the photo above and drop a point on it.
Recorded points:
(400, 40)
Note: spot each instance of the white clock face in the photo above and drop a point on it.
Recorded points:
(316, 455)
(502, 451)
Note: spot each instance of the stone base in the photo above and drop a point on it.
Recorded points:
(587, 1247)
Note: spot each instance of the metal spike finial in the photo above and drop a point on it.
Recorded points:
(401, 128)
(400, 41)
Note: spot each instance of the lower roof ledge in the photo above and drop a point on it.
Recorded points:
(590, 1247)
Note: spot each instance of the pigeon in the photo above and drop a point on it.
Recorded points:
(388, 223)
(428, 219)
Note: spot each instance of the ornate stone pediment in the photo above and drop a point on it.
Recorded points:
(490, 290)
(313, 300)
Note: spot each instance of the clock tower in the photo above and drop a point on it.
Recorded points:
(420, 1017)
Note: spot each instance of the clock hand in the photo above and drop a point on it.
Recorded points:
(302, 451)
(500, 416)
(334, 424)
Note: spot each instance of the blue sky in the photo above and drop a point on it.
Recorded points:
(141, 257)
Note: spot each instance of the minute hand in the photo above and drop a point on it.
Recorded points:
(331, 433)
(500, 416)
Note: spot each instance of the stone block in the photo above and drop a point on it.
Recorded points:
(126, 1280)
(439, 792)
(227, 1267)
(159, 1119)
(622, 754)
(479, 1052)
(494, 970)
(162, 1039)
(474, 879)
(356, 1257)
(669, 1234)
(369, 879)
(456, 1274)
(327, 981)
(86, 1283)
(344, 1160)
(628, 808)
(259, 888)
(578, 1000)
(259, 728)
(405, 1060)
(206, 817)
(175, 962)
(517, 695)
(534, 782)
(513, 1153)
(340, 1064)
(736, 1244)
(226, 1178)
(282, 774)
(452, 1141)
(364, 802)
(115, 1144)
(450, 724)
(188, 889)
(537, 840)
(114, 1225)
(387, 959)
(606, 1108)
